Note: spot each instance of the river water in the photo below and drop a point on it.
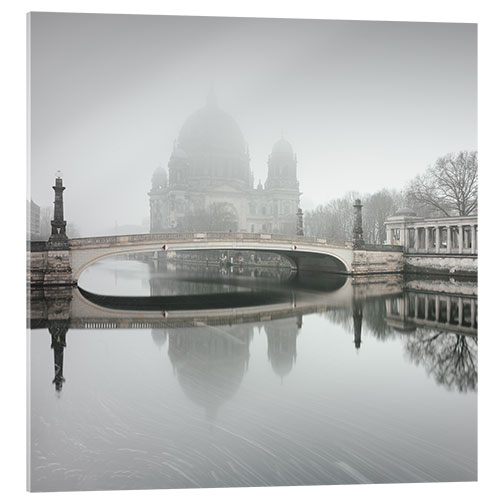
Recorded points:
(262, 378)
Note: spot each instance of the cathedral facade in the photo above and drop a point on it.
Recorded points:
(209, 184)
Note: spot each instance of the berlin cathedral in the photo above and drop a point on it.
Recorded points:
(209, 185)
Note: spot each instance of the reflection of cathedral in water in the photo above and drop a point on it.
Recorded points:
(209, 362)
(282, 343)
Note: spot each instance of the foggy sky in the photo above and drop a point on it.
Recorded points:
(365, 105)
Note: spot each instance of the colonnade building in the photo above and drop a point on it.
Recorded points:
(434, 235)
(210, 186)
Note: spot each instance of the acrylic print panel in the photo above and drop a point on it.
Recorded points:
(245, 268)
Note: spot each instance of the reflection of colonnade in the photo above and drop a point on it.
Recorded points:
(456, 313)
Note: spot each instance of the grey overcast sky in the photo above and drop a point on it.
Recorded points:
(365, 105)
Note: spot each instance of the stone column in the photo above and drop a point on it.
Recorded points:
(472, 313)
(448, 310)
(58, 237)
(405, 238)
(388, 236)
(437, 238)
(357, 231)
(426, 306)
(436, 306)
(448, 239)
(460, 310)
(388, 306)
(427, 238)
(58, 270)
(460, 239)
(474, 240)
(417, 240)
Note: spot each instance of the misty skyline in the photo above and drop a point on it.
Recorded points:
(365, 105)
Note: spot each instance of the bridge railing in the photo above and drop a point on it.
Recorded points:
(202, 236)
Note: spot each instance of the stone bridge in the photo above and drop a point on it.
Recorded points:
(64, 265)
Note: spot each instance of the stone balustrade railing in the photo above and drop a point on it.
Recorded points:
(201, 236)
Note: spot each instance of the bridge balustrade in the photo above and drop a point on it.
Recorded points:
(200, 236)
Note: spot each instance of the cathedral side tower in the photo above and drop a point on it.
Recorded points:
(282, 187)
(282, 167)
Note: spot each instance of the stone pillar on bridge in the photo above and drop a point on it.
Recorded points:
(58, 271)
(300, 222)
(58, 237)
(357, 231)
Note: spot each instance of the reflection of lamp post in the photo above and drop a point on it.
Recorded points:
(58, 331)
(357, 319)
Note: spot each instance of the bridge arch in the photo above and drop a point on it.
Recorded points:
(306, 253)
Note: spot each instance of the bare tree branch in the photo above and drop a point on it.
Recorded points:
(449, 187)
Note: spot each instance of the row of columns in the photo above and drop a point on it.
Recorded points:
(432, 242)
(429, 302)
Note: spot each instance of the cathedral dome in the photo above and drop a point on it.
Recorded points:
(211, 129)
(283, 147)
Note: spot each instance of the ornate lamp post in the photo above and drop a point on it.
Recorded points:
(357, 232)
(58, 237)
(300, 222)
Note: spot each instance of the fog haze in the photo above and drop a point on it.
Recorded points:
(365, 105)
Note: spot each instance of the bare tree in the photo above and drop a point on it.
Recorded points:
(377, 207)
(451, 358)
(335, 219)
(449, 187)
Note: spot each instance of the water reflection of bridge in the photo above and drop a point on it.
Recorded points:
(220, 348)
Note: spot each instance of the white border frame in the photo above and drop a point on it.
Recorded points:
(13, 31)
